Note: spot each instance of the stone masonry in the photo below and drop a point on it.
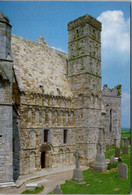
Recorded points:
(84, 74)
(6, 107)
(112, 101)
(51, 102)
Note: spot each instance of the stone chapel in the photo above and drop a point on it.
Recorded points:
(51, 102)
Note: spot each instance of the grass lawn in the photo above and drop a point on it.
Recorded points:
(36, 191)
(125, 133)
(100, 183)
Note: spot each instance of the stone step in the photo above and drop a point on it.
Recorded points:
(7, 184)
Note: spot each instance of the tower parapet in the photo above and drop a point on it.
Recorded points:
(114, 92)
(5, 37)
(83, 20)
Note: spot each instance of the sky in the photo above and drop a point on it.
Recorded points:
(31, 19)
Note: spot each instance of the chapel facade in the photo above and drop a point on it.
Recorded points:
(51, 102)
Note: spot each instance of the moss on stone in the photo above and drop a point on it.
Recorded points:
(118, 87)
(82, 25)
(78, 48)
(118, 93)
(82, 68)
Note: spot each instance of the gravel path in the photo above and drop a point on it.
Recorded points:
(49, 182)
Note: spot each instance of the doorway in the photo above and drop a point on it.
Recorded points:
(43, 156)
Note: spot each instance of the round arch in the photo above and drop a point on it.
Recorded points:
(45, 147)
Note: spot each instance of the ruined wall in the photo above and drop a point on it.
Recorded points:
(6, 75)
(84, 74)
(112, 102)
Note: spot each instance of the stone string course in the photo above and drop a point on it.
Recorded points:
(45, 90)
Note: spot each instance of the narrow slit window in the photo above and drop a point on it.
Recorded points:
(46, 135)
(65, 136)
(110, 119)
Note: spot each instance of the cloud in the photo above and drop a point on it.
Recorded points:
(115, 31)
(115, 39)
(125, 103)
(125, 107)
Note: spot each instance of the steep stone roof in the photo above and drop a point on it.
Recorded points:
(38, 67)
(3, 18)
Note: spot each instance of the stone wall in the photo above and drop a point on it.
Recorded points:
(112, 102)
(6, 76)
(39, 112)
(5, 37)
(16, 141)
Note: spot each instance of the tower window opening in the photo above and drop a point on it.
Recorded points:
(65, 135)
(46, 135)
(77, 31)
(110, 119)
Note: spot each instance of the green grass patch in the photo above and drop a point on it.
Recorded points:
(112, 147)
(111, 166)
(109, 154)
(36, 191)
(98, 183)
(126, 133)
(101, 183)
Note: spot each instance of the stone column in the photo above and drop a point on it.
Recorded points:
(50, 117)
(29, 116)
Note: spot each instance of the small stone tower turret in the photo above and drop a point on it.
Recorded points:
(84, 73)
(5, 37)
(6, 77)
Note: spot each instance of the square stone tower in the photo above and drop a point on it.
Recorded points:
(6, 77)
(84, 74)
